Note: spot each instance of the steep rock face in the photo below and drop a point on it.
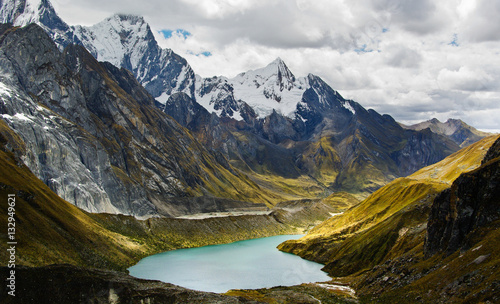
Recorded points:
(189, 113)
(53, 143)
(54, 231)
(111, 149)
(424, 147)
(473, 201)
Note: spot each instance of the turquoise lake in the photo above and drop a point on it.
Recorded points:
(246, 264)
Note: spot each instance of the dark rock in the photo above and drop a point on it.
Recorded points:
(473, 201)
(71, 284)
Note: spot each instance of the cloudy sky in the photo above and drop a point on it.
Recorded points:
(414, 60)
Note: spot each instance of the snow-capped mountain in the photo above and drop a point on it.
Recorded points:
(273, 88)
(125, 41)
(266, 121)
(41, 12)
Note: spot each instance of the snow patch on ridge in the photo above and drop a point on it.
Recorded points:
(163, 98)
(5, 90)
(30, 12)
(349, 107)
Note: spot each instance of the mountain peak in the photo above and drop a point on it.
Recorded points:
(279, 68)
(41, 12)
(277, 62)
(127, 18)
(24, 12)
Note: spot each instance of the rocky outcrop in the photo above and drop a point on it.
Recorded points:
(473, 201)
(71, 284)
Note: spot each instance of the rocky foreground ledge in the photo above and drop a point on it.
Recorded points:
(66, 283)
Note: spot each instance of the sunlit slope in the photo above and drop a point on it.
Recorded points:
(363, 235)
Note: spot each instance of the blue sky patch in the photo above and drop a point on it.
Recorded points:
(454, 42)
(363, 49)
(206, 53)
(168, 33)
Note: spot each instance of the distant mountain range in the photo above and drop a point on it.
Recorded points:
(455, 129)
(264, 135)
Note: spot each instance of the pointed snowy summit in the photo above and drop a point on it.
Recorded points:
(24, 12)
(276, 71)
(41, 12)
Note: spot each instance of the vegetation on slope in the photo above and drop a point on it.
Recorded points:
(368, 234)
(456, 259)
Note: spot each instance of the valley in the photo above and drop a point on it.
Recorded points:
(115, 150)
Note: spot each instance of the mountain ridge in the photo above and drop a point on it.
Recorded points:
(153, 66)
(96, 137)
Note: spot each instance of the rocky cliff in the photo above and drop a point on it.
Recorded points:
(54, 231)
(472, 202)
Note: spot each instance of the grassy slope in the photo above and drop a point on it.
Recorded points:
(367, 234)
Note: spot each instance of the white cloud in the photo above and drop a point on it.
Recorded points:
(482, 22)
(394, 56)
(466, 79)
